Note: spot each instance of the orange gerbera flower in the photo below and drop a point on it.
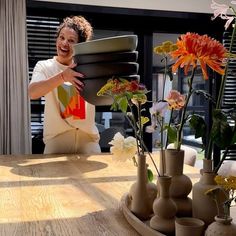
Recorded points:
(194, 48)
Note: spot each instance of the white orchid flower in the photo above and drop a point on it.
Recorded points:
(220, 10)
(158, 108)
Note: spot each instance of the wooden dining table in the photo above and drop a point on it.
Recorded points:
(60, 195)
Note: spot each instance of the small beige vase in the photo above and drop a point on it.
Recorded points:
(142, 193)
(164, 209)
(188, 226)
(221, 227)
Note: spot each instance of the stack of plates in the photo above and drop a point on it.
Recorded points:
(101, 59)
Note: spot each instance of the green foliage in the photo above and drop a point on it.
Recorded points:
(233, 138)
(198, 124)
(150, 175)
(221, 132)
(121, 103)
(172, 133)
(205, 94)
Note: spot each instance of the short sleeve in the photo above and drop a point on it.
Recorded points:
(38, 73)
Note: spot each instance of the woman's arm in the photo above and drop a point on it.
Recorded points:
(38, 89)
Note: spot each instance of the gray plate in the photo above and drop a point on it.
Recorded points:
(112, 44)
(106, 57)
(107, 69)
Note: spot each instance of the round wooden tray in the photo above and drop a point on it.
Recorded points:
(141, 227)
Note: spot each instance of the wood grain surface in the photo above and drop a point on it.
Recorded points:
(60, 195)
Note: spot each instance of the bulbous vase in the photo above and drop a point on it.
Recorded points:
(181, 184)
(164, 208)
(142, 193)
(221, 227)
(208, 210)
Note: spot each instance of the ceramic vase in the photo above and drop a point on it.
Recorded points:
(208, 210)
(221, 227)
(186, 226)
(142, 193)
(181, 184)
(164, 208)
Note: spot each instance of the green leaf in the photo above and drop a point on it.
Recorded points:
(233, 141)
(123, 104)
(207, 95)
(114, 106)
(150, 175)
(221, 132)
(172, 134)
(144, 120)
(170, 73)
(129, 95)
(198, 124)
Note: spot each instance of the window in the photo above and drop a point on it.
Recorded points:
(197, 103)
(41, 45)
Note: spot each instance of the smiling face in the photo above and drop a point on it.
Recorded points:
(65, 40)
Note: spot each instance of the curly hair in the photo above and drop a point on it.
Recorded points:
(80, 25)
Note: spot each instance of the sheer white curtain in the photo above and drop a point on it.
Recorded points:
(15, 135)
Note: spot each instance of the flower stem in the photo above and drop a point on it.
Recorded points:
(180, 128)
(222, 160)
(138, 137)
(221, 91)
(222, 85)
(149, 154)
(133, 124)
(162, 118)
(171, 114)
(164, 80)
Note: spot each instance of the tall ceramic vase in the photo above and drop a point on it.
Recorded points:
(208, 210)
(142, 193)
(164, 208)
(221, 226)
(181, 184)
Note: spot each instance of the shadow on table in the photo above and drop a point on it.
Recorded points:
(57, 168)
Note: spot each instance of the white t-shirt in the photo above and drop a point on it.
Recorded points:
(54, 124)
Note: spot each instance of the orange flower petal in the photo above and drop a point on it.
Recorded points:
(194, 49)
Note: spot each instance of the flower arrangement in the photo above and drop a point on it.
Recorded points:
(174, 100)
(228, 186)
(189, 52)
(222, 133)
(129, 97)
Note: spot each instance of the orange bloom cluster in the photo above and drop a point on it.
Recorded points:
(126, 86)
(194, 48)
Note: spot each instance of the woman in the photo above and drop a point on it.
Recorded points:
(69, 121)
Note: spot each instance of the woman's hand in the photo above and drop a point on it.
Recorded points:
(72, 76)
